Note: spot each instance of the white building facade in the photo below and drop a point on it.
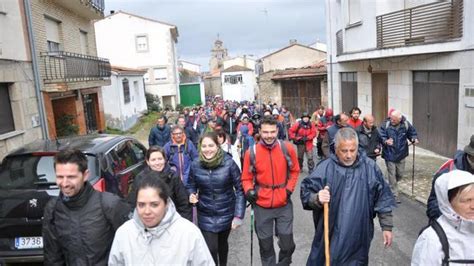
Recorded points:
(238, 84)
(137, 42)
(124, 100)
(244, 61)
(189, 66)
(415, 56)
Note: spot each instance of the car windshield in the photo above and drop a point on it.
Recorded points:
(32, 172)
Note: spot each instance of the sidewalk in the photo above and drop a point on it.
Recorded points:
(426, 164)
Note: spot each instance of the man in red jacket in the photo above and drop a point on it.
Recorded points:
(302, 133)
(268, 182)
(355, 121)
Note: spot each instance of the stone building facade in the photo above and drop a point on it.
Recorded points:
(19, 115)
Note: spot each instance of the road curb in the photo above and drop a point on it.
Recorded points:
(417, 198)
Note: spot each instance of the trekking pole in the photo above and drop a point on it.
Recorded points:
(194, 214)
(413, 172)
(326, 233)
(251, 234)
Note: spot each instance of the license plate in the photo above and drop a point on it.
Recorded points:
(29, 242)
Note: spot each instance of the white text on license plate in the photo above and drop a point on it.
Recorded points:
(29, 242)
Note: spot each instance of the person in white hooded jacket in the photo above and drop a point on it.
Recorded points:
(455, 193)
(157, 234)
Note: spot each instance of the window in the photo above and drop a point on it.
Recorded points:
(160, 73)
(141, 42)
(6, 116)
(52, 34)
(353, 11)
(29, 171)
(84, 42)
(126, 90)
(349, 90)
(125, 155)
(233, 79)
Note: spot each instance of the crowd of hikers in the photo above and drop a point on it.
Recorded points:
(205, 168)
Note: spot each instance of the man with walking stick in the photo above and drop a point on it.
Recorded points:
(356, 191)
(396, 133)
(269, 176)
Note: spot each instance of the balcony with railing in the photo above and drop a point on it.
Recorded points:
(65, 67)
(430, 23)
(91, 9)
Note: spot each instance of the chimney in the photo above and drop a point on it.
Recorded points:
(293, 41)
(112, 12)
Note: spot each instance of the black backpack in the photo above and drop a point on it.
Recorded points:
(445, 244)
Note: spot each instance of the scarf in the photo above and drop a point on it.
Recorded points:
(214, 162)
(268, 146)
(80, 199)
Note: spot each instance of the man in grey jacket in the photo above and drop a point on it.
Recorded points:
(79, 225)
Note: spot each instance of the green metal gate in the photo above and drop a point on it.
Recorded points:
(190, 94)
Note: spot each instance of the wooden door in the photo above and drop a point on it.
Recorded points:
(435, 110)
(379, 97)
(301, 95)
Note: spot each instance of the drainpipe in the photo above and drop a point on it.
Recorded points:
(34, 61)
(330, 56)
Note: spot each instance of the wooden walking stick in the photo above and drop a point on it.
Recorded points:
(326, 233)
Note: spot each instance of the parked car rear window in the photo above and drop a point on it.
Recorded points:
(32, 172)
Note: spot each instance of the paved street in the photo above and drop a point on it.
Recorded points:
(409, 218)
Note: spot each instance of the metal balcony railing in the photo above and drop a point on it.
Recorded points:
(429, 23)
(71, 67)
(339, 43)
(97, 4)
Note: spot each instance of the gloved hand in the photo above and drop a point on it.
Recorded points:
(251, 196)
(304, 139)
(288, 194)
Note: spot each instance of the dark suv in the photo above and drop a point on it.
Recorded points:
(27, 182)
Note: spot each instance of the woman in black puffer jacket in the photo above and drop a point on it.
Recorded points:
(216, 188)
(158, 167)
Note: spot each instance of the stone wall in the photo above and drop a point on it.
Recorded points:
(213, 86)
(19, 78)
(269, 91)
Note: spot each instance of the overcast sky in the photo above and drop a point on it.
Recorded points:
(252, 27)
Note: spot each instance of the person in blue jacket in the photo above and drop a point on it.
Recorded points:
(215, 186)
(180, 152)
(356, 191)
(395, 134)
(159, 134)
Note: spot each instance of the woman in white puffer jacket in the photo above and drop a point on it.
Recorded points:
(157, 234)
(455, 193)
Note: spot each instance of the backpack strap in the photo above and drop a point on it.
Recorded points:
(287, 156)
(443, 239)
(289, 163)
